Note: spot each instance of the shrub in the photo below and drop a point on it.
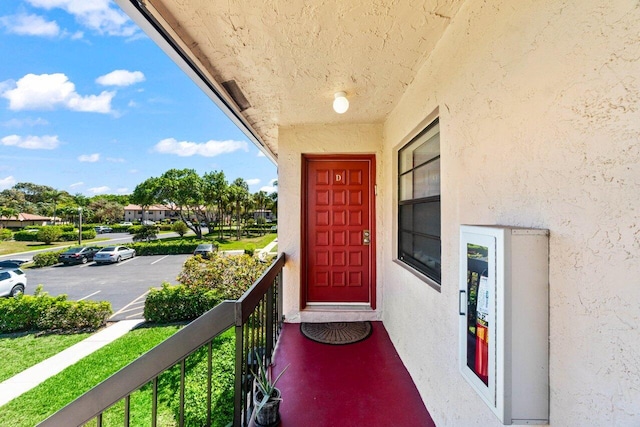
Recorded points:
(145, 232)
(177, 303)
(44, 312)
(228, 276)
(171, 247)
(25, 236)
(45, 259)
(71, 236)
(67, 228)
(250, 249)
(5, 234)
(49, 234)
(180, 228)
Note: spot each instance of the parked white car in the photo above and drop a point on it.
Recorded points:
(12, 282)
(111, 254)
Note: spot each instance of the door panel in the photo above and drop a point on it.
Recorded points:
(338, 205)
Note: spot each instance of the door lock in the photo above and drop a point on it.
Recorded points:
(366, 237)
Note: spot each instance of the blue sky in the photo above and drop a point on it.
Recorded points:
(90, 105)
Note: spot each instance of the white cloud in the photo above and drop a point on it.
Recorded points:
(123, 190)
(253, 181)
(89, 158)
(269, 189)
(98, 15)
(18, 123)
(76, 184)
(7, 182)
(48, 91)
(30, 142)
(98, 190)
(121, 78)
(115, 159)
(261, 154)
(206, 149)
(29, 25)
(133, 171)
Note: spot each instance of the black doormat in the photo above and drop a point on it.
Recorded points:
(336, 333)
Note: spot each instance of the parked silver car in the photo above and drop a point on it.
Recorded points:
(13, 281)
(111, 254)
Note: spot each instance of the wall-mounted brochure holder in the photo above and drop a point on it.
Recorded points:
(504, 319)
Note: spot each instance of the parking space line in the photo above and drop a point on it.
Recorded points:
(158, 260)
(89, 296)
(125, 261)
(135, 316)
(128, 305)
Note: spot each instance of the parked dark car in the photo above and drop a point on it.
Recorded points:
(205, 250)
(79, 255)
(11, 263)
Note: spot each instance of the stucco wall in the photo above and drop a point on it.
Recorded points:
(316, 139)
(539, 120)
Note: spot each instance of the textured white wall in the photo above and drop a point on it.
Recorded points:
(540, 127)
(315, 139)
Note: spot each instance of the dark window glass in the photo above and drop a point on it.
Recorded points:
(419, 203)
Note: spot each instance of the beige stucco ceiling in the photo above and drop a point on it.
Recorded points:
(290, 56)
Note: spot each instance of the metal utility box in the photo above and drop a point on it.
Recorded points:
(504, 319)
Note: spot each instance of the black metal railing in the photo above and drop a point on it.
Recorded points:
(257, 318)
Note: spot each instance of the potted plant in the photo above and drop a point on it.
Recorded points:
(266, 397)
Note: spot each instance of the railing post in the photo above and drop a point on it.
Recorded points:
(238, 395)
(269, 325)
(280, 302)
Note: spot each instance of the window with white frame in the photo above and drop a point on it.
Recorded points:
(419, 203)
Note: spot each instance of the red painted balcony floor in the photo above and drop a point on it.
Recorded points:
(361, 384)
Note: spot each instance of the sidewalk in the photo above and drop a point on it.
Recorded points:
(26, 380)
(262, 253)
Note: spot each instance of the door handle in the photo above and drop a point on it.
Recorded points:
(460, 300)
(366, 237)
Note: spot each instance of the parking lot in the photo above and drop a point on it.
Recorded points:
(124, 284)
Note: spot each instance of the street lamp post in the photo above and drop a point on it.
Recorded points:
(79, 226)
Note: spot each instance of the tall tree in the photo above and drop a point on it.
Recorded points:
(216, 190)
(238, 196)
(146, 194)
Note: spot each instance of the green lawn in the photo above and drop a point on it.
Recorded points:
(37, 404)
(12, 247)
(26, 350)
(229, 243)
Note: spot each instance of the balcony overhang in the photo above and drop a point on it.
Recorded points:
(288, 59)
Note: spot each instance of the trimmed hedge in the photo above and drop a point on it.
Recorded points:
(45, 259)
(204, 284)
(160, 247)
(177, 303)
(25, 236)
(65, 236)
(46, 313)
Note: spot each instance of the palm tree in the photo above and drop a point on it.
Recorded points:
(238, 195)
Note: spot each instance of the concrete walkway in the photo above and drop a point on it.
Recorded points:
(26, 380)
(262, 253)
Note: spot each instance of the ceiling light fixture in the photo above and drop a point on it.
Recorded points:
(340, 103)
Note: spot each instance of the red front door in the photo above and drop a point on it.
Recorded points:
(338, 234)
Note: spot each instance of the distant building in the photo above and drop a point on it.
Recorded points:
(23, 220)
(263, 213)
(151, 213)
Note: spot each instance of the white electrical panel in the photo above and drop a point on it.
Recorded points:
(504, 319)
